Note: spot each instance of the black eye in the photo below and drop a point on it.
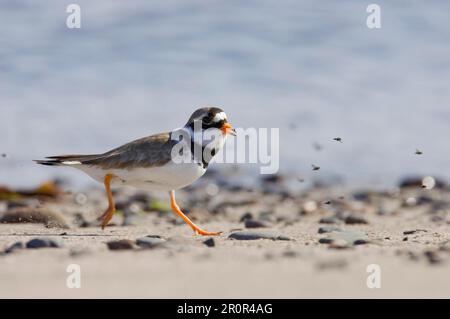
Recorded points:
(208, 118)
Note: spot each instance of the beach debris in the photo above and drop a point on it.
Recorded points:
(418, 152)
(44, 242)
(254, 235)
(123, 244)
(315, 168)
(338, 139)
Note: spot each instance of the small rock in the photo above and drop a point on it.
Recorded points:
(16, 246)
(328, 229)
(410, 232)
(122, 244)
(151, 241)
(350, 237)
(253, 235)
(339, 244)
(210, 242)
(43, 243)
(329, 220)
(245, 217)
(352, 219)
(325, 240)
(253, 223)
(309, 206)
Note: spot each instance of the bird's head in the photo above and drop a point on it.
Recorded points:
(210, 118)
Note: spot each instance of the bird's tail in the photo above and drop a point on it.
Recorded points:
(49, 162)
(65, 160)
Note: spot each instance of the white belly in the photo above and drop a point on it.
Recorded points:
(165, 178)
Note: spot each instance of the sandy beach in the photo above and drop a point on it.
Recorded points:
(313, 244)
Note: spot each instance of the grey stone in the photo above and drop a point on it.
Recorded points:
(44, 242)
(329, 220)
(328, 229)
(254, 235)
(246, 216)
(16, 246)
(150, 242)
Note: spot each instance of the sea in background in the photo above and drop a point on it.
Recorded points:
(310, 68)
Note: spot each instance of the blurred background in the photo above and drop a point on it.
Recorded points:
(311, 68)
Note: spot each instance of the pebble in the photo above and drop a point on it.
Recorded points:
(122, 244)
(346, 238)
(254, 223)
(328, 229)
(44, 242)
(246, 216)
(16, 246)
(352, 219)
(210, 242)
(151, 241)
(329, 220)
(253, 235)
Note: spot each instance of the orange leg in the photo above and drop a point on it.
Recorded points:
(106, 217)
(178, 211)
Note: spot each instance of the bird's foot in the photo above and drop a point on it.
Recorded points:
(202, 232)
(106, 217)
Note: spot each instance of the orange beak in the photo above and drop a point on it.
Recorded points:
(228, 129)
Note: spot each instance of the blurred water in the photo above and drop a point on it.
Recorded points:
(311, 68)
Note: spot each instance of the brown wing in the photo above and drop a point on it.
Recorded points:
(149, 151)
